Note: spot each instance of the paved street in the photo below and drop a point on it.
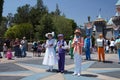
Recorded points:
(31, 68)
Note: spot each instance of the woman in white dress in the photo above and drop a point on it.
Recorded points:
(50, 55)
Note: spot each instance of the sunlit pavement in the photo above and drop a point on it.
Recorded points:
(31, 68)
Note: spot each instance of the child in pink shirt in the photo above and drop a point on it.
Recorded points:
(9, 54)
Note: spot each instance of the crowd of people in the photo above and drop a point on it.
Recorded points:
(18, 46)
(76, 46)
(55, 49)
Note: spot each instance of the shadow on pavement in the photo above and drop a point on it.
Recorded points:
(100, 61)
(65, 72)
(108, 62)
(89, 75)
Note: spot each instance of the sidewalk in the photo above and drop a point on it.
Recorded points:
(31, 68)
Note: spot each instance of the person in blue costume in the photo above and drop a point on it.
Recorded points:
(88, 46)
(117, 43)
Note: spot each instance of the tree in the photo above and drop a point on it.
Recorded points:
(63, 25)
(40, 4)
(22, 15)
(3, 26)
(19, 31)
(57, 11)
(73, 24)
(1, 9)
(37, 12)
(41, 7)
(9, 20)
(46, 25)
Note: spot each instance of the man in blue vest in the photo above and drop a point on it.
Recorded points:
(117, 43)
(88, 46)
(61, 47)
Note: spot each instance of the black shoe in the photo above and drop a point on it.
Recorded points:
(48, 70)
(39, 56)
(62, 72)
(104, 61)
(58, 71)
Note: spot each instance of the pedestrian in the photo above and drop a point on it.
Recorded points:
(9, 54)
(70, 47)
(1, 48)
(7, 41)
(117, 43)
(43, 46)
(4, 49)
(39, 49)
(34, 47)
(77, 44)
(88, 46)
(93, 44)
(50, 56)
(61, 48)
(100, 45)
(24, 44)
(107, 44)
(112, 45)
(17, 48)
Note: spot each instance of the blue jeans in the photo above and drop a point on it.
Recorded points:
(119, 54)
(87, 52)
(23, 50)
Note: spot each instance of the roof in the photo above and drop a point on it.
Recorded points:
(99, 16)
(117, 14)
(118, 3)
(110, 22)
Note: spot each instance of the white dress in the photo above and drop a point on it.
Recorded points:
(50, 55)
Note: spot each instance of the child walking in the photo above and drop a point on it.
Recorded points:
(39, 49)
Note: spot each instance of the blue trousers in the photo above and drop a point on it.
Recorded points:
(87, 52)
(23, 50)
(61, 62)
(119, 54)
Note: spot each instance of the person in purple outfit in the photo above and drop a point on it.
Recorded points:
(61, 47)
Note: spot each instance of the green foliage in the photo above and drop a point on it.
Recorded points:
(22, 15)
(1, 9)
(46, 25)
(35, 22)
(19, 31)
(3, 27)
(57, 11)
(63, 25)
